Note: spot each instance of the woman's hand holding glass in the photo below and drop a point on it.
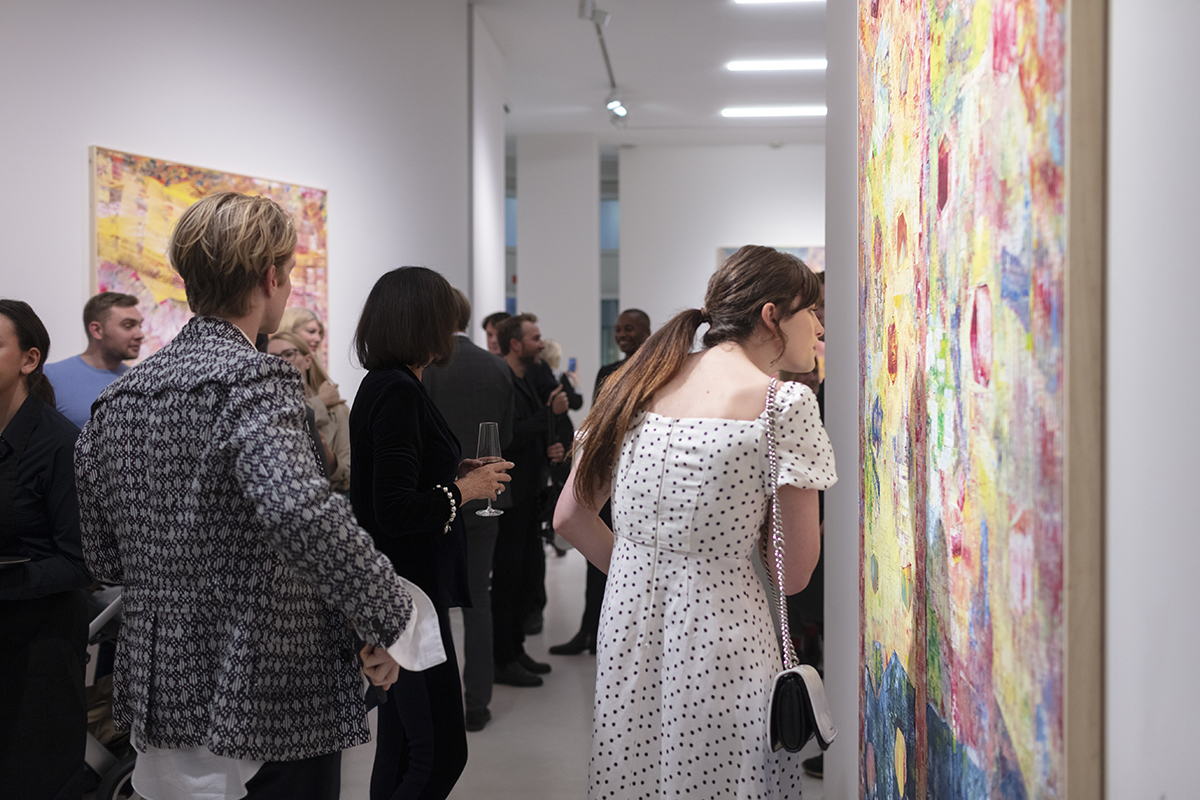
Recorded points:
(482, 481)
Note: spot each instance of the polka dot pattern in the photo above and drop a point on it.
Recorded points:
(687, 650)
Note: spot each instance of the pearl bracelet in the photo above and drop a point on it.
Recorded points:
(453, 508)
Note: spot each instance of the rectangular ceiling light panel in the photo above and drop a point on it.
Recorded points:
(777, 64)
(774, 111)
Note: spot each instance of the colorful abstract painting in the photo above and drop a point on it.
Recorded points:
(136, 203)
(962, 247)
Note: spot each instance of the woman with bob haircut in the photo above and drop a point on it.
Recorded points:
(246, 577)
(687, 649)
(43, 614)
(333, 422)
(409, 482)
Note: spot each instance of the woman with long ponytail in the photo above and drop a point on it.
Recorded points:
(43, 617)
(686, 649)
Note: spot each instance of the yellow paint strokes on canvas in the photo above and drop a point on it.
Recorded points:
(980, 33)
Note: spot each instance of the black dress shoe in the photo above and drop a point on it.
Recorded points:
(513, 674)
(582, 641)
(814, 766)
(476, 720)
(536, 667)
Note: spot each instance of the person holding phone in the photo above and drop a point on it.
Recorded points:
(409, 490)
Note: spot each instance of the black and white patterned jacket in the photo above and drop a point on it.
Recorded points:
(198, 491)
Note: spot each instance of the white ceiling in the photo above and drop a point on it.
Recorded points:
(668, 57)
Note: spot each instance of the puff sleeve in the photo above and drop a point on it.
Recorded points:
(805, 453)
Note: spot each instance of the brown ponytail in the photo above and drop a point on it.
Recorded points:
(737, 291)
(31, 333)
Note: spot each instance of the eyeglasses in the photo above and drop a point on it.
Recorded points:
(289, 354)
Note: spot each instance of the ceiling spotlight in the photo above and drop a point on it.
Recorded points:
(779, 64)
(614, 100)
(619, 110)
(774, 111)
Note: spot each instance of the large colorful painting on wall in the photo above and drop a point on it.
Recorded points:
(962, 124)
(136, 202)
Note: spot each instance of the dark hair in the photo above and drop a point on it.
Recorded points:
(737, 291)
(31, 333)
(512, 328)
(97, 308)
(641, 316)
(408, 320)
(495, 319)
(464, 310)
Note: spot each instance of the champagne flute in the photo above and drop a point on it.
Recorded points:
(489, 453)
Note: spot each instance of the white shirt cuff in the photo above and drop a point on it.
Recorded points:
(420, 644)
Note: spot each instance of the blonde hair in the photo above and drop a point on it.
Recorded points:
(314, 377)
(225, 245)
(295, 316)
(552, 354)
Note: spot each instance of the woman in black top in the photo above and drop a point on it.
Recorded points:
(43, 621)
(407, 482)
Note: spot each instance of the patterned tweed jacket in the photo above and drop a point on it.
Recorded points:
(198, 491)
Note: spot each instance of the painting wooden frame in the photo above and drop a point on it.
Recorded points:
(134, 202)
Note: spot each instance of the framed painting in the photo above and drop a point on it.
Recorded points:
(135, 203)
(981, 262)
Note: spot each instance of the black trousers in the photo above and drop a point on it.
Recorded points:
(43, 711)
(513, 586)
(421, 748)
(316, 778)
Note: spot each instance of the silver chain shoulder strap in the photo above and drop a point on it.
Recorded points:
(787, 648)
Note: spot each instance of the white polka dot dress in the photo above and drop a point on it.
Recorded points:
(687, 650)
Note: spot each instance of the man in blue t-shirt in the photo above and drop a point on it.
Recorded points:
(114, 329)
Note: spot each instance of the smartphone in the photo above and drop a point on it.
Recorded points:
(571, 364)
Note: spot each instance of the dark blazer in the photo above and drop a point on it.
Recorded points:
(474, 387)
(199, 492)
(401, 450)
(532, 421)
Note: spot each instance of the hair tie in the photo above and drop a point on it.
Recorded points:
(704, 317)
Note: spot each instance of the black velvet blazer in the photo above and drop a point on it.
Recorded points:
(401, 449)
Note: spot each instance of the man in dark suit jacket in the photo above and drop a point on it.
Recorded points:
(475, 387)
(518, 546)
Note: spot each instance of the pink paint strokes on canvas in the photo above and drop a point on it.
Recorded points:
(136, 203)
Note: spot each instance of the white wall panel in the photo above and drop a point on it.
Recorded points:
(680, 204)
(487, 176)
(558, 244)
(364, 98)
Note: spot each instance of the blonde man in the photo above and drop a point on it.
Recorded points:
(243, 571)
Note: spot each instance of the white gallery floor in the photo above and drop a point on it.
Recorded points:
(537, 745)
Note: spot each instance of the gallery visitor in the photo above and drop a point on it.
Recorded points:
(686, 650)
(247, 579)
(410, 484)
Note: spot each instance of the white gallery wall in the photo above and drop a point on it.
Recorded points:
(364, 98)
(842, 678)
(558, 245)
(487, 176)
(1153, 432)
(679, 205)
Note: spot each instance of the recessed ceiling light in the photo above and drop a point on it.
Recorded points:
(778, 64)
(774, 111)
